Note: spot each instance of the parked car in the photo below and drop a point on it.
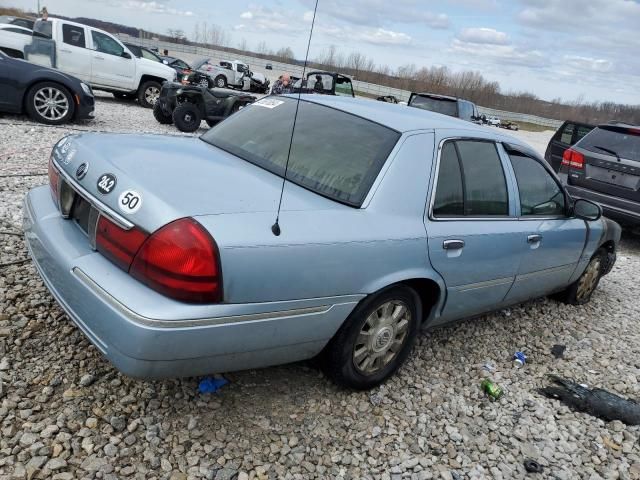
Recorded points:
(19, 21)
(187, 105)
(451, 106)
(46, 95)
(184, 272)
(233, 75)
(493, 121)
(568, 134)
(509, 125)
(604, 167)
(97, 58)
(143, 52)
(13, 39)
(268, 67)
(180, 66)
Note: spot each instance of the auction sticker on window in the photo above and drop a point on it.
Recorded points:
(130, 201)
(268, 103)
(106, 183)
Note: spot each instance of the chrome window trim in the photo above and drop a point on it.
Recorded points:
(97, 204)
(465, 218)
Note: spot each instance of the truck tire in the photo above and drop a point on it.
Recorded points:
(187, 117)
(221, 81)
(148, 93)
(160, 116)
(50, 103)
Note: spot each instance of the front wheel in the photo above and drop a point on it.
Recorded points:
(375, 340)
(221, 81)
(50, 103)
(580, 291)
(204, 82)
(148, 93)
(187, 117)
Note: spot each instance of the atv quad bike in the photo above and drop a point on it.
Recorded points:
(325, 83)
(187, 105)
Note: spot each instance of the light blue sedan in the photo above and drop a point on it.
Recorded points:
(393, 219)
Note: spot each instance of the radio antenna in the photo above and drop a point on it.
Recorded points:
(275, 228)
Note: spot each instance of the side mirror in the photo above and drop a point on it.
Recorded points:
(165, 62)
(586, 210)
(126, 55)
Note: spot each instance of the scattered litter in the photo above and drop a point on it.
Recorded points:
(211, 384)
(489, 367)
(519, 359)
(597, 402)
(492, 390)
(375, 398)
(611, 444)
(532, 466)
(558, 350)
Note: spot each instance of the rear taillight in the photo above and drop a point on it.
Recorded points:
(573, 159)
(54, 177)
(117, 244)
(180, 260)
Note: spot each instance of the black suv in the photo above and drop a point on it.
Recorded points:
(568, 134)
(452, 106)
(605, 167)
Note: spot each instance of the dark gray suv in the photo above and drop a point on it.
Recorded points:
(452, 106)
(605, 167)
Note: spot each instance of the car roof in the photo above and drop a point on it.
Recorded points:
(435, 95)
(398, 117)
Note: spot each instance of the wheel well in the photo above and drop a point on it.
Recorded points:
(147, 78)
(13, 53)
(609, 246)
(428, 291)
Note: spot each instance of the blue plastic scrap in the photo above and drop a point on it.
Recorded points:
(211, 384)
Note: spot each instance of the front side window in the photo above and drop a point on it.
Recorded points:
(149, 55)
(18, 30)
(471, 181)
(73, 35)
(539, 193)
(105, 44)
(333, 153)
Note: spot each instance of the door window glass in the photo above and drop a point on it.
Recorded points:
(73, 35)
(540, 194)
(581, 132)
(485, 186)
(105, 44)
(567, 133)
(449, 196)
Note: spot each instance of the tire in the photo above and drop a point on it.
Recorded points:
(124, 96)
(220, 81)
(580, 291)
(187, 117)
(148, 93)
(160, 116)
(212, 123)
(39, 108)
(204, 82)
(351, 359)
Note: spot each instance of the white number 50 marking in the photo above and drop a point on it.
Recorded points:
(130, 201)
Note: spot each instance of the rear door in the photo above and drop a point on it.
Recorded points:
(611, 162)
(74, 57)
(109, 67)
(475, 242)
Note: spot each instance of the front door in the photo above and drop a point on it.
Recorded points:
(554, 241)
(475, 238)
(110, 67)
(74, 57)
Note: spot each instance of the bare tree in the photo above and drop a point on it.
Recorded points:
(243, 45)
(285, 54)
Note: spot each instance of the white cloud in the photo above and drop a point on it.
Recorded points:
(501, 55)
(587, 63)
(381, 36)
(483, 35)
(239, 27)
(157, 7)
(247, 15)
(308, 16)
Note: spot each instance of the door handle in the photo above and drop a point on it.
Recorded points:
(98, 58)
(453, 244)
(65, 51)
(534, 238)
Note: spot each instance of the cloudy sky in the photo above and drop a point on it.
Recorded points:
(554, 48)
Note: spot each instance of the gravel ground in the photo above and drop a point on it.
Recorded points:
(66, 413)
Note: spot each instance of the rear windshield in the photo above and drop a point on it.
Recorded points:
(335, 154)
(438, 105)
(624, 142)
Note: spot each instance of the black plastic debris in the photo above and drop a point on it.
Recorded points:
(597, 402)
(532, 466)
(558, 350)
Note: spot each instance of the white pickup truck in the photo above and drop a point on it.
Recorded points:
(97, 58)
(233, 74)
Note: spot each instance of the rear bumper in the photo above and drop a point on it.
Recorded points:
(625, 211)
(146, 335)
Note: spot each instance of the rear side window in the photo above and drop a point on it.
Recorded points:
(567, 134)
(73, 35)
(623, 141)
(17, 30)
(539, 192)
(482, 181)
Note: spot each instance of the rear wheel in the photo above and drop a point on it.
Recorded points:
(204, 82)
(160, 116)
(221, 81)
(148, 93)
(187, 117)
(375, 340)
(580, 291)
(50, 103)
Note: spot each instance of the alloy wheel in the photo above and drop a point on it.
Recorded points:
(51, 103)
(151, 94)
(382, 337)
(204, 82)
